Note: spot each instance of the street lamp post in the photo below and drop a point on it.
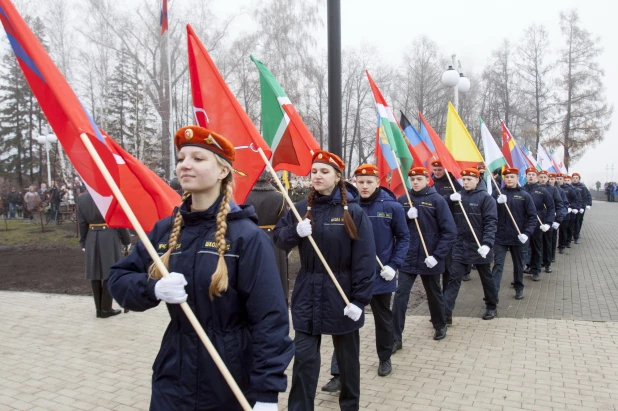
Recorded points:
(453, 77)
(50, 138)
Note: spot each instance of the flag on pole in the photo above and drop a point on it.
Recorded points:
(445, 156)
(542, 158)
(419, 146)
(164, 20)
(393, 134)
(217, 109)
(384, 158)
(459, 142)
(494, 159)
(289, 138)
(558, 164)
(518, 158)
(508, 144)
(149, 197)
(530, 158)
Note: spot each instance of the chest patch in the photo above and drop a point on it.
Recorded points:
(163, 246)
(213, 245)
(336, 220)
(384, 215)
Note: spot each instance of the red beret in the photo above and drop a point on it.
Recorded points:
(567, 176)
(366, 170)
(577, 174)
(554, 175)
(510, 170)
(543, 172)
(481, 166)
(333, 160)
(470, 172)
(560, 175)
(202, 137)
(436, 163)
(531, 170)
(418, 171)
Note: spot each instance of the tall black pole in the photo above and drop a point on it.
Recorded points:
(334, 77)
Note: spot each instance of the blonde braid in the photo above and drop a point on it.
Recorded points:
(310, 198)
(219, 280)
(153, 271)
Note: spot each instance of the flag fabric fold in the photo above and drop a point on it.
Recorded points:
(290, 140)
(444, 155)
(530, 157)
(217, 109)
(69, 119)
(494, 159)
(516, 156)
(543, 160)
(558, 164)
(164, 20)
(459, 142)
(418, 145)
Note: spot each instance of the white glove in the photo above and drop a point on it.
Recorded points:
(431, 261)
(570, 210)
(555, 225)
(412, 213)
(455, 197)
(265, 406)
(304, 228)
(575, 211)
(522, 238)
(353, 312)
(501, 199)
(388, 273)
(83, 249)
(483, 251)
(172, 289)
(587, 208)
(544, 227)
(581, 210)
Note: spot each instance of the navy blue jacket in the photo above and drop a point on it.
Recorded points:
(391, 235)
(438, 229)
(565, 203)
(584, 194)
(544, 203)
(248, 324)
(482, 182)
(317, 306)
(561, 211)
(524, 212)
(573, 196)
(481, 210)
(443, 187)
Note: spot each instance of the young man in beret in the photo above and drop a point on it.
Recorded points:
(429, 211)
(513, 236)
(482, 214)
(566, 212)
(548, 244)
(586, 199)
(574, 204)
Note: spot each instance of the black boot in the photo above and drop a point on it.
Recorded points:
(385, 368)
(561, 251)
(519, 294)
(527, 270)
(109, 313)
(333, 385)
(440, 334)
(396, 346)
(96, 293)
(466, 277)
(489, 314)
(536, 277)
(449, 319)
(548, 269)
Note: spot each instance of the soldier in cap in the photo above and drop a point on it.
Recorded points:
(513, 235)
(481, 210)
(586, 199)
(565, 213)
(574, 204)
(549, 247)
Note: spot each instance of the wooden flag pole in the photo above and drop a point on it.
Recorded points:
(418, 227)
(157, 260)
(464, 210)
(299, 218)
(380, 262)
(507, 206)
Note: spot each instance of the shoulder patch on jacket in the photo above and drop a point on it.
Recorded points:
(163, 246)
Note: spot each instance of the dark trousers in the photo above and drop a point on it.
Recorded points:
(435, 299)
(554, 242)
(577, 226)
(564, 229)
(536, 251)
(383, 317)
(517, 257)
(547, 247)
(102, 297)
(571, 230)
(446, 275)
(306, 370)
(458, 269)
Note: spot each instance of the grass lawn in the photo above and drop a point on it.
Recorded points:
(23, 233)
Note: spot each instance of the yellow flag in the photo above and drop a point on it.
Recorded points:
(286, 180)
(459, 142)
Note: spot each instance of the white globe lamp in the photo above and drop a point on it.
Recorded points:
(450, 78)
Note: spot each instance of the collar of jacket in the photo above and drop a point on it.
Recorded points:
(372, 197)
(335, 196)
(516, 188)
(470, 192)
(423, 192)
(532, 185)
(210, 215)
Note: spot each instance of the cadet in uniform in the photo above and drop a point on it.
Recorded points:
(436, 223)
(548, 243)
(482, 213)
(222, 264)
(344, 235)
(586, 203)
(574, 201)
(507, 237)
(565, 214)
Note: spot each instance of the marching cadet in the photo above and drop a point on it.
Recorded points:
(586, 203)
(546, 213)
(481, 210)
(565, 214)
(549, 247)
(443, 187)
(436, 223)
(574, 204)
(392, 239)
(507, 237)
(222, 264)
(344, 235)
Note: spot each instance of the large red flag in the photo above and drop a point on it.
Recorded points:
(217, 109)
(445, 156)
(69, 119)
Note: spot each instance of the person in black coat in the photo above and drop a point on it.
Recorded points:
(546, 213)
(222, 264)
(508, 238)
(345, 237)
(566, 212)
(438, 228)
(573, 206)
(586, 203)
(481, 210)
(549, 246)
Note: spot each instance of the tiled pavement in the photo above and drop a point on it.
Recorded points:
(54, 355)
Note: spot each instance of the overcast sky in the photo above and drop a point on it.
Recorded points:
(471, 29)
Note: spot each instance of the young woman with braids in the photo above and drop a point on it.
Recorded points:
(223, 265)
(343, 233)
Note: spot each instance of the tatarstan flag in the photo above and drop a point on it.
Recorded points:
(283, 130)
